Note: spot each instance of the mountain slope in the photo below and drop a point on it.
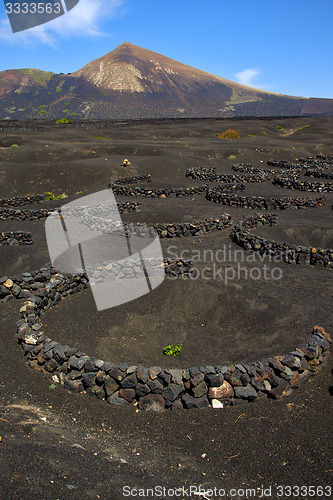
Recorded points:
(132, 82)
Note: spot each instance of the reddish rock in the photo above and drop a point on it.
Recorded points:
(276, 365)
(304, 376)
(294, 382)
(313, 364)
(153, 402)
(223, 391)
(283, 389)
(128, 394)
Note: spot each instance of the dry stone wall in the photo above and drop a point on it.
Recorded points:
(293, 254)
(262, 202)
(15, 238)
(153, 388)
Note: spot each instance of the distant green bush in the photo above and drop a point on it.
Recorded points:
(279, 127)
(64, 120)
(232, 157)
(301, 128)
(229, 134)
(251, 135)
(14, 146)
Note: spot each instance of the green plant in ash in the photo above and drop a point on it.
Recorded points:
(14, 146)
(64, 120)
(232, 157)
(172, 350)
(49, 196)
(229, 134)
(279, 127)
(251, 135)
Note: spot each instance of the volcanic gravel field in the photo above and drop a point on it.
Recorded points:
(61, 445)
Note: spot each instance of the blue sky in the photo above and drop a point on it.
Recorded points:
(283, 46)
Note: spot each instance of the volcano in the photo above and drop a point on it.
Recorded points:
(132, 82)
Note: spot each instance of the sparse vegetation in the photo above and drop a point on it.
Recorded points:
(49, 196)
(229, 134)
(37, 75)
(172, 350)
(279, 127)
(232, 157)
(64, 120)
(301, 128)
(252, 135)
(14, 146)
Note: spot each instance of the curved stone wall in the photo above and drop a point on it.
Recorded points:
(157, 192)
(262, 202)
(16, 238)
(18, 201)
(293, 182)
(209, 174)
(293, 254)
(164, 230)
(319, 173)
(154, 387)
(133, 179)
(26, 284)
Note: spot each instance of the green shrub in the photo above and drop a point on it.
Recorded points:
(49, 196)
(279, 127)
(229, 134)
(72, 114)
(14, 146)
(64, 120)
(232, 157)
(251, 135)
(172, 350)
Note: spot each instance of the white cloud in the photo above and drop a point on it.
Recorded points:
(245, 77)
(83, 20)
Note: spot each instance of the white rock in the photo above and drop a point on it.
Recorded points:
(31, 339)
(216, 403)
